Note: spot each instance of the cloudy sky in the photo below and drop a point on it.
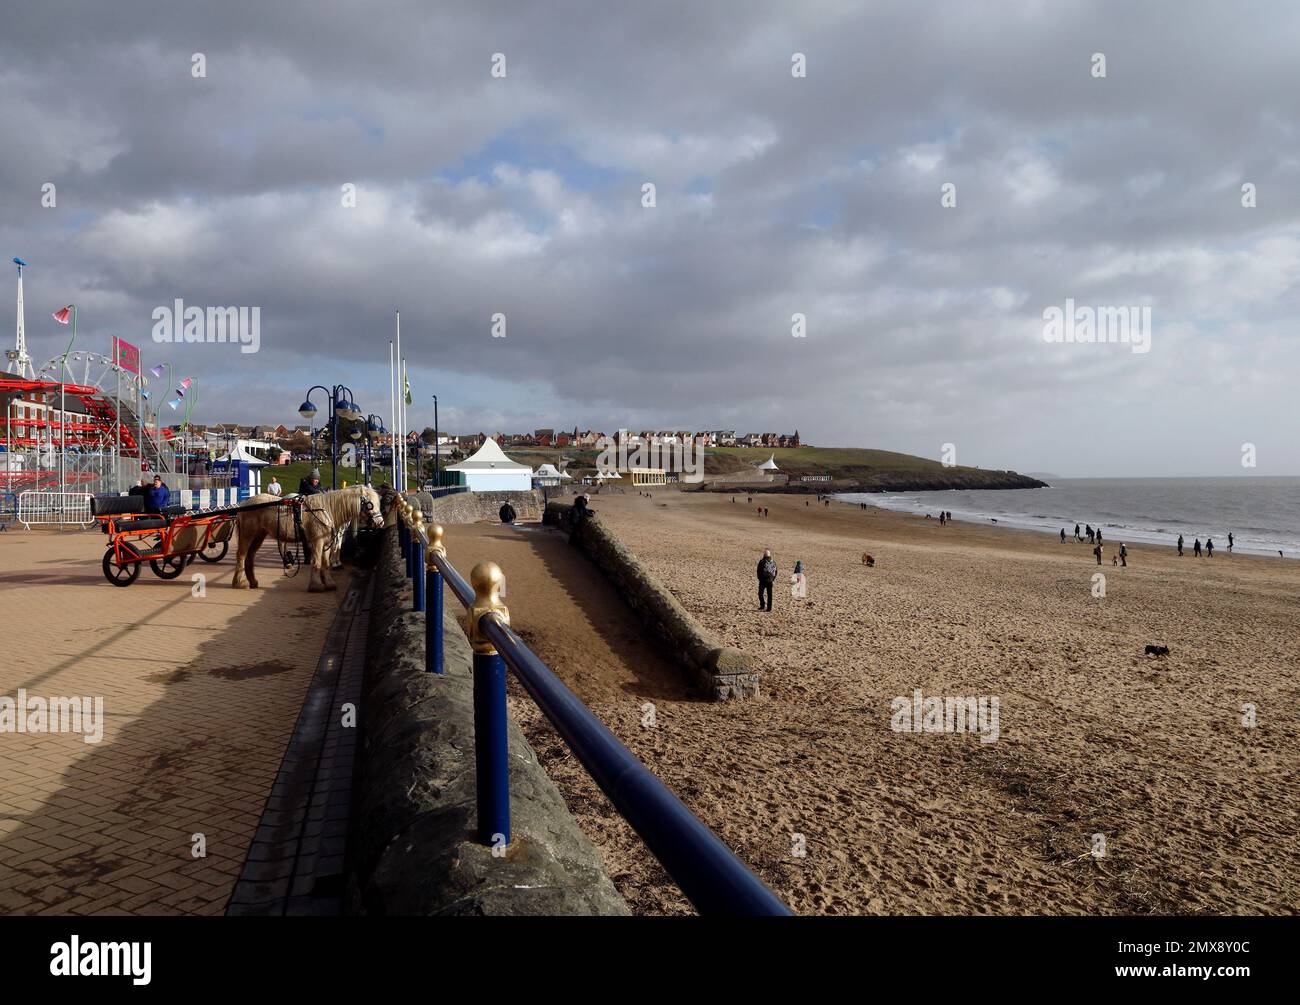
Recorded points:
(775, 194)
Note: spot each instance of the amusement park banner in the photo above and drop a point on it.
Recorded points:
(126, 355)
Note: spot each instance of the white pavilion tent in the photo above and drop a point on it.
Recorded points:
(489, 470)
(549, 474)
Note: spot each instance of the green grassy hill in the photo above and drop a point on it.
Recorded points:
(850, 468)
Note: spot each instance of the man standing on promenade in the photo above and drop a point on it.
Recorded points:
(274, 487)
(766, 577)
(507, 513)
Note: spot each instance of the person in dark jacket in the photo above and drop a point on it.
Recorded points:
(156, 496)
(311, 485)
(137, 489)
(507, 513)
(766, 577)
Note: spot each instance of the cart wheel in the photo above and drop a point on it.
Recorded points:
(170, 567)
(215, 552)
(119, 575)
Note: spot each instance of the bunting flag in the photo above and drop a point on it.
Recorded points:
(62, 316)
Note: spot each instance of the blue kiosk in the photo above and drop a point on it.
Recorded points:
(244, 471)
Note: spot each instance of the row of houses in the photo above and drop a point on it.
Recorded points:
(577, 439)
(663, 437)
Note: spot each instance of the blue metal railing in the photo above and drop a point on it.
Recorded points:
(705, 869)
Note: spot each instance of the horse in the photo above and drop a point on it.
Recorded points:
(324, 516)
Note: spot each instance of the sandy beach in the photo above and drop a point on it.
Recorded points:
(1198, 812)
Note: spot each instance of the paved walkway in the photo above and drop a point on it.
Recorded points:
(200, 696)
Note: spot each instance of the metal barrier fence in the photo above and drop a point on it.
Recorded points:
(704, 868)
(37, 508)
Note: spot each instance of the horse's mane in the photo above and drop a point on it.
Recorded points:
(342, 505)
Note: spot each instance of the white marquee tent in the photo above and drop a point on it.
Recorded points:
(549, 474)
(490, 470)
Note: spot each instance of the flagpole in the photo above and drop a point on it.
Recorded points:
(392, 423)
(406, 442)
(401, 464)
(63, 415)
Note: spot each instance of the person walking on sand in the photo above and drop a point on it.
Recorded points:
(1097, 551)
(1209, 547)
(1076, 532)
(1063, 535)
(765, 511)
(766, 577)
(942, 518)
(1099, 535)
(1180, 545)
(1196, 547)
(1229, 542)
(1123, 554)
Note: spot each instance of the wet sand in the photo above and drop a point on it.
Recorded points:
(1100, 748)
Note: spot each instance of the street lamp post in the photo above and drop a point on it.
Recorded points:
(342, 406)
(437, 479)
(374, 424)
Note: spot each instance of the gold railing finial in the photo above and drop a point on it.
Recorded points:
(436, 547)
(489, 582)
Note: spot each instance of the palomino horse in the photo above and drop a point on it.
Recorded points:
(323, 517)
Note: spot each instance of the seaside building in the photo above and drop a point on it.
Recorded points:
(649, 476)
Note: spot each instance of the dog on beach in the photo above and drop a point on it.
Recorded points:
(868, 561)
(1157, 650)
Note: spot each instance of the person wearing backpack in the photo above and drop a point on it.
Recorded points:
(766, 577)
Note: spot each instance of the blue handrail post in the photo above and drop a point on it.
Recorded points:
(433, 642)
(491, 750)
(417, 581)
(433, 651)
(491, 747)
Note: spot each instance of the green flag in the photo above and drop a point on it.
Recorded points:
(407, 380)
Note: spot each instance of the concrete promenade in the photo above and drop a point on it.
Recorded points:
(200, 697)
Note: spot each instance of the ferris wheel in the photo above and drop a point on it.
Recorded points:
(93, 369)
